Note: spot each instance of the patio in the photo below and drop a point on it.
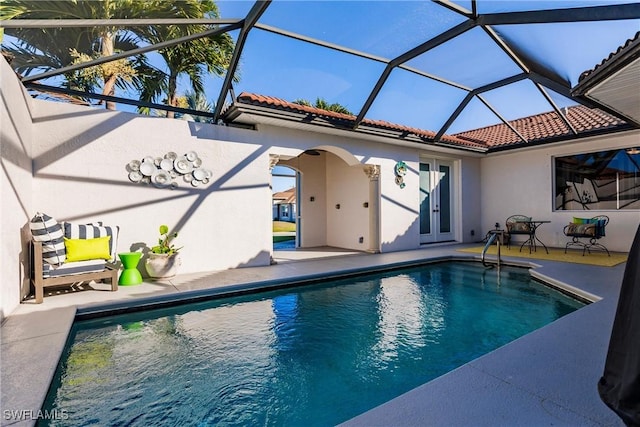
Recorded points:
(426, 101)
(547, 377)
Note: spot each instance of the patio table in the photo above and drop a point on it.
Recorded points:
(533, 238)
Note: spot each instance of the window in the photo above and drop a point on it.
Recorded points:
(600, 180)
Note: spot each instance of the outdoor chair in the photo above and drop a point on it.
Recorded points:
(518, 224)
(586, 233)
(70, 254)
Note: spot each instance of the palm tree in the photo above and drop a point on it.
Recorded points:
(195, 58)
(322, 104)
(196, 102)
(51, 48)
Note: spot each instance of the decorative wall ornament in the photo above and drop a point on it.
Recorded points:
(372, 171)
(400, 170)
(163, 172)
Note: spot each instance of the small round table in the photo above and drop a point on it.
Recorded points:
(130, 275)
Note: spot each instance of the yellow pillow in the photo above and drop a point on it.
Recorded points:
(86, 249)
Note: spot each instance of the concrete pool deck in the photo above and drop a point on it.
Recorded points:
(547, 377)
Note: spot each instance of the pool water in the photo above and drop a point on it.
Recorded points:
(313, 355)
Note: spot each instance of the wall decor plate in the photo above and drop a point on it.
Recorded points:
(182, 165)
(170, 155)
(134, 165)
(191, 156)
(166, 164)
(147, 168)
(197, 162)
(135, 176)
(199, 174)
(161, 178)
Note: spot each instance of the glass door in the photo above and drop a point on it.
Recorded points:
(436, 201)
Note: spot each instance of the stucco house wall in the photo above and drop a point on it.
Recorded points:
(15, 187)
(80, 158)
(521, 182)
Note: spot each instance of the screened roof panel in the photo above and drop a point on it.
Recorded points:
(417, 102)
(297, 70)
(376, 58)
(575, 46)
(501, 6)
(471, 59)
(381, 28)
(531, 100)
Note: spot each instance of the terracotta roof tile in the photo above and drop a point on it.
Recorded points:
(545, 126)
(535, 129)
(613, 56)
(269, 101)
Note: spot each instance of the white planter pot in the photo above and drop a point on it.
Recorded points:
(162, 266)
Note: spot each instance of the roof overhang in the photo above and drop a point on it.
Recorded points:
(253, 115)
(614, 83)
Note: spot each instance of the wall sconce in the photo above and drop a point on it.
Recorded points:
(338, 206)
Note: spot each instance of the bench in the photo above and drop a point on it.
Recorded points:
(69, 254)
(69, 273)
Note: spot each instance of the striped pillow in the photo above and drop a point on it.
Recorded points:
(47, 230)
(92, 231)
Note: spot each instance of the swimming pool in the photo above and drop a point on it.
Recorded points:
(313, 355)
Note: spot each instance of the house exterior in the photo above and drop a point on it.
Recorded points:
(380, 188)
(284, 205)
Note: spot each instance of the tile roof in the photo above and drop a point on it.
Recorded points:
(287, 196)
(348, 120)
(620, 52)
(545, 127)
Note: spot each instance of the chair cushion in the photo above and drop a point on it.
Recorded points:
(587, 230)
(519, 227)
(91, 231)
(73, 268)
(86, 249)
(47, 230)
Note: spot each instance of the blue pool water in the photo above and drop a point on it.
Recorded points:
(313, 355)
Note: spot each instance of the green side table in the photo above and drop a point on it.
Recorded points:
(130, 275)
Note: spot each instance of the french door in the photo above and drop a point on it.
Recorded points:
(436, 201)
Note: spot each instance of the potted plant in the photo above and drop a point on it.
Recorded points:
(163, 259)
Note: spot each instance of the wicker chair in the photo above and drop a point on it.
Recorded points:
(590, 229)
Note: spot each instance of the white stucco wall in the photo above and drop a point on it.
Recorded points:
(80, 156)
(347, 186)
(521, 182)
(15, 187)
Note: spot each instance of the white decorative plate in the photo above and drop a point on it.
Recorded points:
(161, 178)
(182, 165)
(135, 176)
(147, 168)
(195, 182)
(191, 156)
(197, 162)
(166, 164)
(170, 155)
(199, 174)
(134, 165)
(188, 177)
